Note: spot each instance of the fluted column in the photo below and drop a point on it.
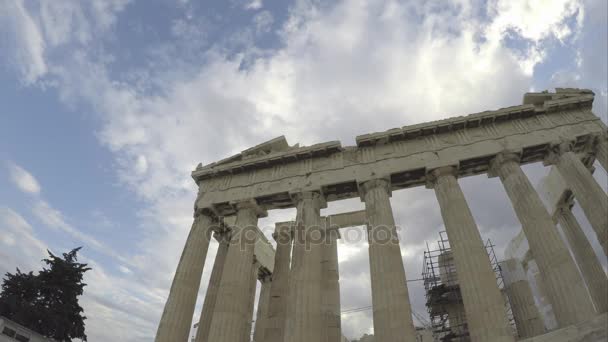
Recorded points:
(279, 288)
(527, 317)
(588, 192)
(202, 333)
(230, 315)
(601, 150)
(177, 315)
(331, 288)
(261, 317)
(390, 299)
(306, 271)
(565, 287)
(253, 282)
(483, 302)
(587, 261)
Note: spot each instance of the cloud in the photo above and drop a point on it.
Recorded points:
(109, 301)
(33, 30)
(24, 39)
(55, 219)
(263, 21)
(338, 70)
(23, 179)
(336, 66)
(20, 248)
(254, 5)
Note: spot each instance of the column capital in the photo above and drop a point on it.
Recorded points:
(366, 186)
(433, 174)
(502, 158)
(249, 204)
(315, 195)
(556, 149)
(207, 211)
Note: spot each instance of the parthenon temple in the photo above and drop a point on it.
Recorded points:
(299, 300)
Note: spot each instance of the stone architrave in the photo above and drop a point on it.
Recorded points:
(565, 288)
(390, 298)
(483, 302)
(177, 316)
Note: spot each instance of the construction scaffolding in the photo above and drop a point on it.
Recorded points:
(443, 298)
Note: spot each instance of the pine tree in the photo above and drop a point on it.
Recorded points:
(48, 302)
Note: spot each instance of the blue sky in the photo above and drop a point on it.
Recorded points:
(107, 105)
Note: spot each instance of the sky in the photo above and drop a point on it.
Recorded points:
(108, 105)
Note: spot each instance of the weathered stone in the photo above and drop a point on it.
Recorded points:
(483, 303)
(279, 288)
(204, 325)
(177, 316)
(231, 308)
(564, 285)
(588, 192)
(526, 314)
(331, 288)
(306, 271)
(261, 317)
(390, 298)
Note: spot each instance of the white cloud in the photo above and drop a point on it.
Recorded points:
(126, 306)
(23, 179)
(52, 217)
(263, 21)
(254, 5)
(32, 28)
(21, 249)
(341, 70)
(24, 39)
(55, 219)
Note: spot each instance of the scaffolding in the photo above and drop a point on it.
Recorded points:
(443, 298)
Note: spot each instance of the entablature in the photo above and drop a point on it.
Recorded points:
(403, 156)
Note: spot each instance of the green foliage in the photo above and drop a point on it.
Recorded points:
(48, 302)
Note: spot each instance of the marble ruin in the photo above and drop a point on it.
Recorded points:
(299, 299)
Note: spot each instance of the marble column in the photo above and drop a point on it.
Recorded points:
(202, 333)
(279, 288)
(261, 317)
(390, 299)
(484, 306)
(331, 288)
(230, 315)
(253, 282)
(588, 192)
(527, 317)
(177, 315)
(601, 150)
(306, 271)
(565, 288)
(588, 263)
